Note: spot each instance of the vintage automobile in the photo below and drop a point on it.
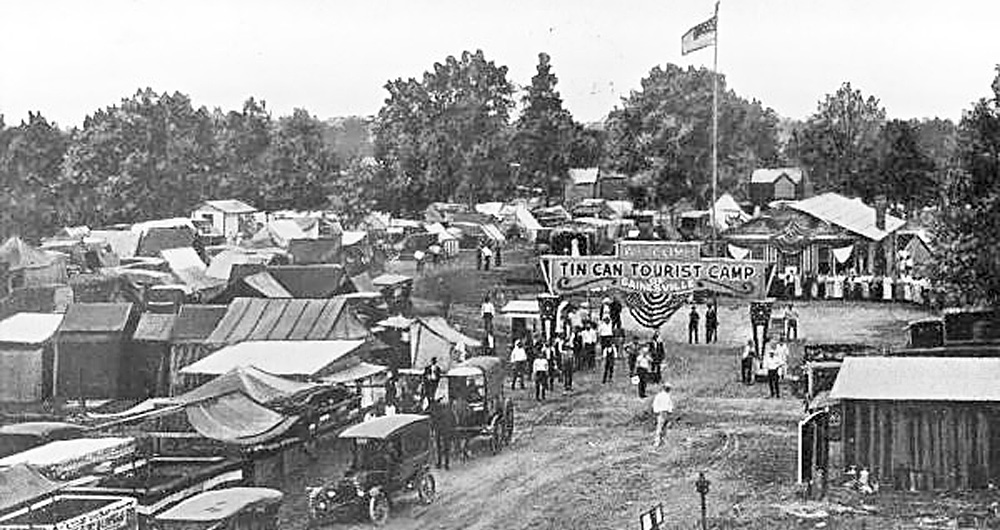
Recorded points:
(224, 509)
(476, 393)
(390, 455)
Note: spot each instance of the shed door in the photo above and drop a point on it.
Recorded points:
(813, 445)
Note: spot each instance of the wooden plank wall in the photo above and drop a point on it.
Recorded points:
(923, 445)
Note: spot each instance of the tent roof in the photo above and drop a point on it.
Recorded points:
(265, 284)
(196, 322)
(309, 281)
(217, 505)
(352, 237)
(124, 243)
(230, 206)
(288, 319)
(235, 418)
(586, 175)
(355, 373)
(382, 426)
(154, 327)
(526, 218)
(850, 214)
(441, 327)
(767, 176)
(259, 385)
(21, 484)
(279, 357)
(222, 264)
(65, 451)
(918, 379)
(96, 317)
(19, 255)
(29, 328)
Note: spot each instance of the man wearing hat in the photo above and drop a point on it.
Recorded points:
(663, 407)
(432, 376)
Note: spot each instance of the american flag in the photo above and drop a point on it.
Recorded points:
(698, 37)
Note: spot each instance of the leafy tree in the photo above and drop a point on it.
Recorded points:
(663, 133)
(968, 237)
(30, 159)
(244, 141)
(545, 134)
(839, 143)
(445, 137)
(302, 168)
(905, 175)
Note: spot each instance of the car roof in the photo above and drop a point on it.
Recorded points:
(217, 505)
(383, 426)
(40, 428)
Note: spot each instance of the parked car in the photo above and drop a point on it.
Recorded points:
(391, 455)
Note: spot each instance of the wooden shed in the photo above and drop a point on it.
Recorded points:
(920, 422)
(89, 355)
(26, 356)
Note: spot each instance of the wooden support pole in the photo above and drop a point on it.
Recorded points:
(873, 441)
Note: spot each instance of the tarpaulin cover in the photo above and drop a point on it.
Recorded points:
(21, 484)
(235, 418)
(261, 386)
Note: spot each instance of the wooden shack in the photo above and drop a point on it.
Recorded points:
(920, 423)
(89, 355)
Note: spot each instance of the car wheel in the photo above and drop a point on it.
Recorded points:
(427, 488)
(378, 508)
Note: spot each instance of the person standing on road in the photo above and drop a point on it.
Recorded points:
(746, 363)
(609, 363)
(663, 407)
(590, 345)
(487, 256)
(615, 308)
(443, 421)
(418, 257)
(791, 323)
(487, 311)
(772, 363)
(643, 367)
(711, 324)
(569, 360)
(479, 256)
(693, 319)
(432, 376)
(606, 331)
(659, 354)
(541, 372)
(633, 355)
(519, 360)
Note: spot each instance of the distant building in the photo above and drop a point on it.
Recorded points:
(594, 183)
(786, 183)
(227, 217)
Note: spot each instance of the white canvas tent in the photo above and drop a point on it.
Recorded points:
(433, 337)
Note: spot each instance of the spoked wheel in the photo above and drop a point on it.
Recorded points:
(508, 425)
(496, 434)
(427, 488)
(378, 508)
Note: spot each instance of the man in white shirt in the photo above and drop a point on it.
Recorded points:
(518, 358)
(541, 373)
(487, 311)
(773, 363)
(589, 337)
(663, 407)
(487, 257)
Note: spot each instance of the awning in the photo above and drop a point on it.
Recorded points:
(235, 418)
(355, 373)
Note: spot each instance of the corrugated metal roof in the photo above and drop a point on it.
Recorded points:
(288, 319)
(278, 357)
(230, 206)
(98, 317)
(847, 213)
(195, 322)
(918, 379)
(766, 176)
(29, 328)
(154, 327)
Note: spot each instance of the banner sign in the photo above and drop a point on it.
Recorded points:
(117, 516)
(659, 250)
(743, 278)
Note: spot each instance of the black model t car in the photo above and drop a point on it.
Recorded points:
(391, 455)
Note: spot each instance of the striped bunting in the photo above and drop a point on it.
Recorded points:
(652, 310)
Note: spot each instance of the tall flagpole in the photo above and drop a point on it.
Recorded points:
(715, 128)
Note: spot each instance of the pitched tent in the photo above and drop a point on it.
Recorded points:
(435, 338)
(26, 352)
(90, 348)
(124, 243)
(728, 213)
(187, 266)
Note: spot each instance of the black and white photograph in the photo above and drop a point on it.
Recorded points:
(519, 264)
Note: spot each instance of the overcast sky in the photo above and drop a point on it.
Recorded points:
(921, 58)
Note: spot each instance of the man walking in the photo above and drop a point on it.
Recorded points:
(746, 363)
(711, 324)
(568, 364)
(609, 363)
(772, 363)
(487, 311)
(643, 366)
(693, 319)
(791, 323)
(444, 428)
(632, 350)
(487, 256)
(663, 407)
(432, 376)
(659, 355)
(590, 345)
(541, 373)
